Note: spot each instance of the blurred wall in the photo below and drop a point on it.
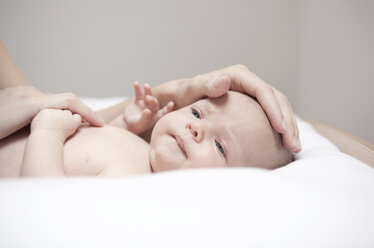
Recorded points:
(337, 64)
(319, 53)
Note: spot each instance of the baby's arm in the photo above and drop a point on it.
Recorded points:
(44, 148)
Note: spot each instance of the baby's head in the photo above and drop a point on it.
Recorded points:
(228, 131)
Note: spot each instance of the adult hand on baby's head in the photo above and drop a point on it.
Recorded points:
(239, 78)
(142, 114)
(61, 123)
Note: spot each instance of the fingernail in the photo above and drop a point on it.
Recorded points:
(297, 143)
(102, 122)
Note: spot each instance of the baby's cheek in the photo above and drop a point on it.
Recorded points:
(161, 159)
(207, 159)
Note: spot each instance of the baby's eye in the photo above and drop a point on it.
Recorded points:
(196, 113)
(220, 148)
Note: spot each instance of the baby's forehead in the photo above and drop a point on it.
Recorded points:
(236, 112)
(232, 103)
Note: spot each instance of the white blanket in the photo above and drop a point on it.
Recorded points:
(323, 199)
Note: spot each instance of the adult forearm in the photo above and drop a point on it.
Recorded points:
(10, 74)
(113, 112)
(169, 91)
(43, 155)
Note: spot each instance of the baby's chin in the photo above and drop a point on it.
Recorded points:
(153, 161)
(159, 160)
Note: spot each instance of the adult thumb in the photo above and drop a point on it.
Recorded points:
(219, 86)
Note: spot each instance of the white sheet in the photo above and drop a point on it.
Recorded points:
(323, 199)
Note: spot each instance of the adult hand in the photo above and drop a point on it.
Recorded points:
(239, 78)
(19, 105)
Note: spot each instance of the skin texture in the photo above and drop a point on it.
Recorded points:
(228, 131)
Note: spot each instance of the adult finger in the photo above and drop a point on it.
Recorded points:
(269, 103)
(209, 85)
(219, 86)
(290, 138)
(293, 140)
(296, 138)
(71, 102)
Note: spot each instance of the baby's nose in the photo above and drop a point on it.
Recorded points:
(196, 131)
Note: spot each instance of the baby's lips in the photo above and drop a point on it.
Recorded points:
(180, 142)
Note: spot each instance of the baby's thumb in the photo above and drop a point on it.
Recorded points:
(77, 119)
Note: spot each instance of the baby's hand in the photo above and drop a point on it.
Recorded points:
(61, 123)
(144, 112)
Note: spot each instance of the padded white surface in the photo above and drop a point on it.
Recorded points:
(323, 199)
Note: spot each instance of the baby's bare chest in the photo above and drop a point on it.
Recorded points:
(94, 150)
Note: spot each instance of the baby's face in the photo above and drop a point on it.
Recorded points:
(221, 132)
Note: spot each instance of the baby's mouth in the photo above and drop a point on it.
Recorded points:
(180, 143)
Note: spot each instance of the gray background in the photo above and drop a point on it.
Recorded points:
(319, 53)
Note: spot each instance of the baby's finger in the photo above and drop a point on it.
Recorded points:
(77, 118)
(152, 103)
(138, 91)
(170, 106)
(165, 110)
(144, 119)
(147, 90)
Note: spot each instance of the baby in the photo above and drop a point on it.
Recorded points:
(228, 131)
